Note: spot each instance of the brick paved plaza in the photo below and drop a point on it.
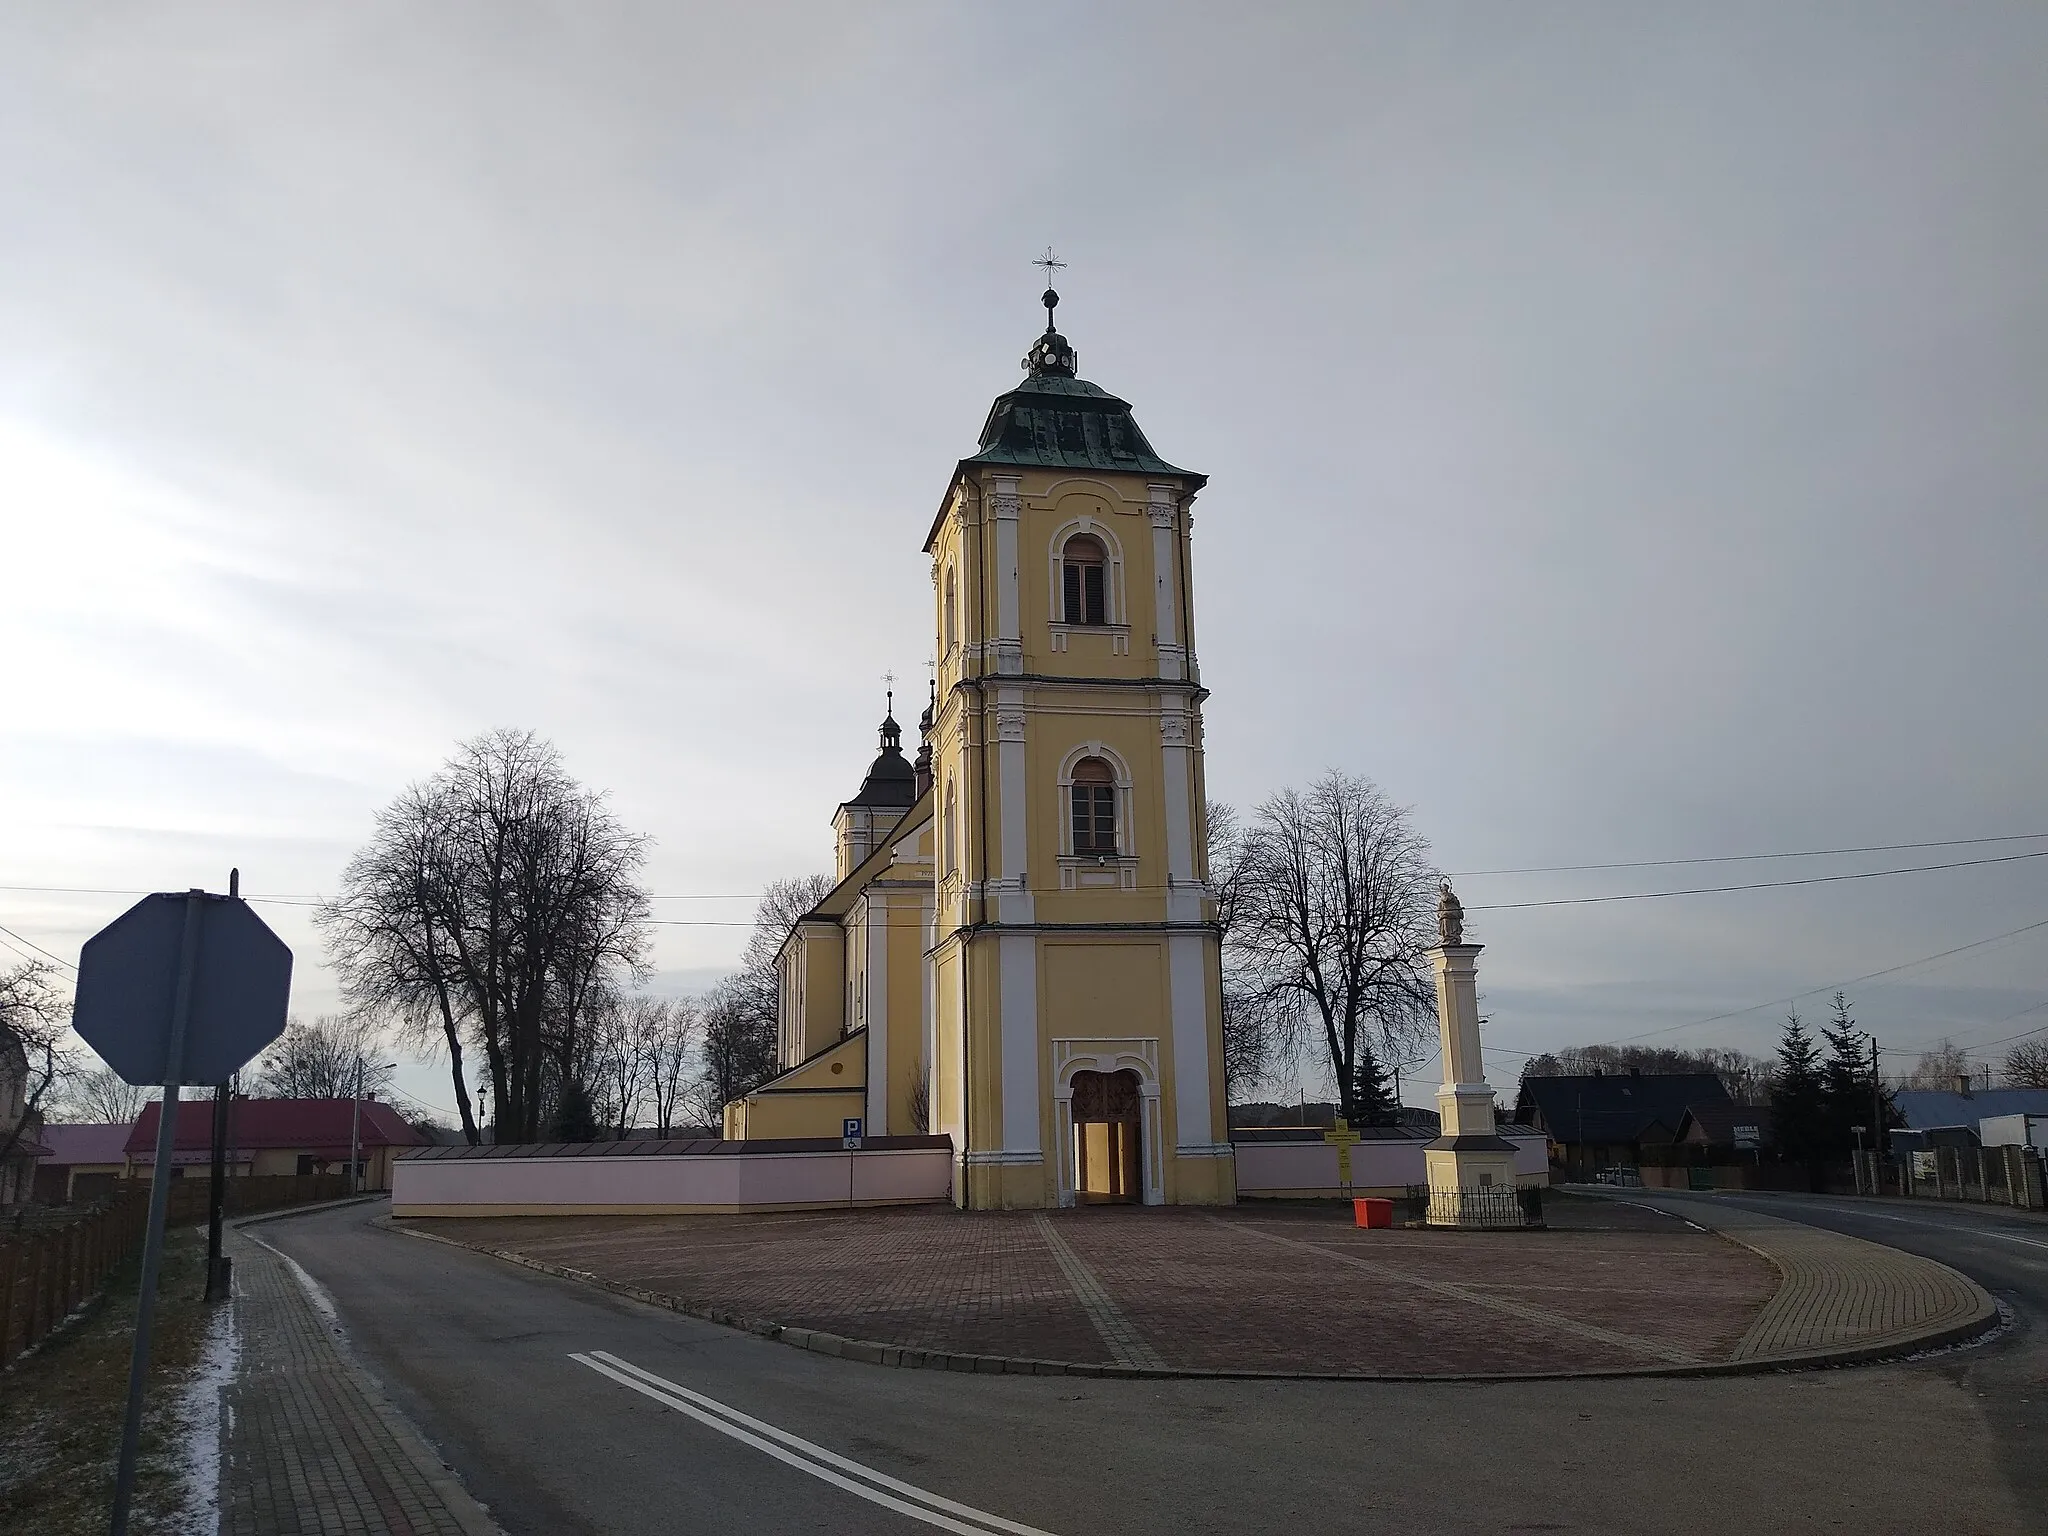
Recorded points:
(1284, 1288)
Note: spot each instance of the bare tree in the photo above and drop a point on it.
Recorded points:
(666, 1031)
(920, 1097)
(739, 1014)
(33, 1065)
(1255, 1041)
(498, 904)
(1747, 1078)
(2026, 1065)
(320, 1060)
(1943, 1064)
(100, 1097)
(1337, 903)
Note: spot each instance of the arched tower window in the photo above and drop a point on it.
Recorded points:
(952, 612)
(947, 850)
(1094, 807)
(1084, 566)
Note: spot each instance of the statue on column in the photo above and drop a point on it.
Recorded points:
(1450, 916)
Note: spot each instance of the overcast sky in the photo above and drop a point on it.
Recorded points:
(1628, 430)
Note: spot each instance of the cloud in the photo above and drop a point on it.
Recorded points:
(1624, 431)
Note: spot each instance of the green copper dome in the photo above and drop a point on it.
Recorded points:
(1057, 421)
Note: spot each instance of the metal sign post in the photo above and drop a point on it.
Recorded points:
(175, 988)
(159, 1206)
(852, 1138)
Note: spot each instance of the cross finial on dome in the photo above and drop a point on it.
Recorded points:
(1050, 354)
(1049, 298)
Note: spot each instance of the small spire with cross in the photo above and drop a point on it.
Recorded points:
(1049, 299)
(1050, 354)
(889, 678)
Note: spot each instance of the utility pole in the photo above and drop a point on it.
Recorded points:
(216, 1192)
(355, 1126)
(355, 1132)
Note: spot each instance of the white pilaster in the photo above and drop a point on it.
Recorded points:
(1018, 960)
(877, 1013)
(1165, 582)
(1014, 901)
(1193, 1133)
(1178, 787)
(1005, 508)
(928, 926)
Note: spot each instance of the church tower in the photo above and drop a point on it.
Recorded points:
(1075, 981)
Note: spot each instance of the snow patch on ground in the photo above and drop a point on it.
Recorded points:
(315, 1291)
(200, 1413)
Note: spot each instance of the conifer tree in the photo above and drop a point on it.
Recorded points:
(1845, 1081)
(1798, 1094)
(1372, 1097)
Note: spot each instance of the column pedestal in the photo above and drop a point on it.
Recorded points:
(1471, 1168)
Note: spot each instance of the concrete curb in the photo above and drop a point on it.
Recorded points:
(906, 1357)
(1984, 1320)
(257, 1220)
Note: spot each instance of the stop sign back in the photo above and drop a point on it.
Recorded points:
(128, 983)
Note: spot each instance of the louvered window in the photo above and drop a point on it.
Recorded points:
(1082, 567)
(1094, 807)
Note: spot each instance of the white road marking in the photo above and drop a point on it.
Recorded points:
(930, 1508)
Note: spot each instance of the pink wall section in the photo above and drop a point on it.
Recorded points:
(1291, 1167)
(486, 1186)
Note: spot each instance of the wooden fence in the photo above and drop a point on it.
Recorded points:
(48, 1268)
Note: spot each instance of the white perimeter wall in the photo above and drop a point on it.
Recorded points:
(751, 1181)
(1275, 1168)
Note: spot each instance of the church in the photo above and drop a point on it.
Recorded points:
(1021, 952)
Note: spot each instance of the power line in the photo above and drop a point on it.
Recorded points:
(1738, 858)
(1671, 1029)
(1984, 1045)
(1760, 885)
(298, 898)
(38, 949)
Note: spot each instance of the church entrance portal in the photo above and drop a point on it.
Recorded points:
(1108, 1167)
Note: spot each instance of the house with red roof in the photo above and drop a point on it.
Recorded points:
(273, 1136)
(81, 1163)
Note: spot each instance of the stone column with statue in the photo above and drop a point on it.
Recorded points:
(1469, 1164)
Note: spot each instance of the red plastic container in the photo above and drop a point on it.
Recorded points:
(1373, 1213)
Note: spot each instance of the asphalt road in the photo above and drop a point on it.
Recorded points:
(570, 1411)
(2006, 1253)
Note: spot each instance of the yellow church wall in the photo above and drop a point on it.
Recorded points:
(946, 1074)
(820, 1000)
(906, 1055)
(1112, 508)
(809, 1100)
(1107, 987)
(817, 1113)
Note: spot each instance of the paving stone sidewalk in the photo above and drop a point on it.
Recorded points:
(311, 1445)
(1839, 1296)
(1244, 1290)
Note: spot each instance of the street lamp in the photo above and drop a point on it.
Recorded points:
(355, 1126)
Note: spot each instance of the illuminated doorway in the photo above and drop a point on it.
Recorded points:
(1108, 1163)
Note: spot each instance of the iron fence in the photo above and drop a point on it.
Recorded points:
(1488, 1205)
